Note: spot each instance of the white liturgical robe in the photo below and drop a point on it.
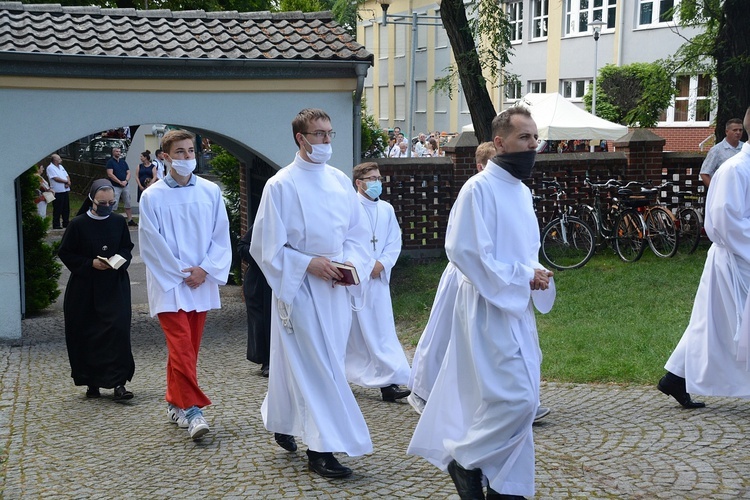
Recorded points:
(712, 354)
(374, 356)
(168, 244)
(483, 403)
(309, 210)
(428, 357)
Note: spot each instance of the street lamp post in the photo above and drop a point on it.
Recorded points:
(596, 26)
(414, 23)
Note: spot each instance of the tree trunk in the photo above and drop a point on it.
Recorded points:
(732, 54)
(453, 15)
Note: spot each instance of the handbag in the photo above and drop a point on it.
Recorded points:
(49, 196)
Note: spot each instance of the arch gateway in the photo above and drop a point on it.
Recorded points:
(67, 72)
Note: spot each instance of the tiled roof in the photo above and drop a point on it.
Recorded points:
(168, 35)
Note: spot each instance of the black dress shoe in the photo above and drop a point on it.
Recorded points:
(494, 495)
(92, 392)
(264, 370)
(285, 441)
(122, 394)
(393, 392)
(468, 482)
(672, 385)
(326, 465)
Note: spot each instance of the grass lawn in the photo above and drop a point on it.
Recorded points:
(612, 321)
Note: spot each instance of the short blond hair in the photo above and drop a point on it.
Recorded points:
(484, 152)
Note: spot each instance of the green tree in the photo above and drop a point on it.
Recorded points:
(374, 139)
(633, 95)
(40, 267)
(722, 50)
(488, 22)
(227, 167)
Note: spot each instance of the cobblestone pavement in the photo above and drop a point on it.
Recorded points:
(600, 441)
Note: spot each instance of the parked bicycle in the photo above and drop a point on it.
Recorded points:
(689, 224)
(567, 242)
(620, 225)
(661, 224)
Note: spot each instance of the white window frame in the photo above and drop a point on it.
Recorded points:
(512, 91)
(514, 13)
(658, 7)
(538, 87)
(539, 17)
(575, 86)
(593, 10)
(692, 99)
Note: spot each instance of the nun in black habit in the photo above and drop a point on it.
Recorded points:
(97, 298)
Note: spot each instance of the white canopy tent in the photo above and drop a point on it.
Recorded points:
(559, 119)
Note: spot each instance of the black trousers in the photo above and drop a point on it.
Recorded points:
(61, 209)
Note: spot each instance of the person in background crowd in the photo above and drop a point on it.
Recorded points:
(727, 148)
(159, 161)
(97, 297)
(59, 181)
(118, 173)
(145, 173)
(41, 200)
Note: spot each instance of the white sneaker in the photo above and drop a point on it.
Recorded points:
(198, 428)
(177, 416)
(541, 412)
(416, 402)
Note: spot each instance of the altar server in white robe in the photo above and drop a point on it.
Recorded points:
(711, 358)
(477, 422)
(374, 356)
(309, 216)
(184, 242)
(430, 351)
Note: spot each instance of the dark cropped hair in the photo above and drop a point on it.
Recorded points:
(501, 125)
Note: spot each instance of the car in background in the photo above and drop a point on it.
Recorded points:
(99, 149)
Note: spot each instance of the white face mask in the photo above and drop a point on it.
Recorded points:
(183, 167)
(321, 153)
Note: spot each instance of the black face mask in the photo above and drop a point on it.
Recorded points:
(518, 165)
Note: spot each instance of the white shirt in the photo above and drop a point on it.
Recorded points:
(59, 172)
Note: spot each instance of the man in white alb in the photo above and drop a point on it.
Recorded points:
(477, 422)
(308, 218)
(374, 356)
(711, 358)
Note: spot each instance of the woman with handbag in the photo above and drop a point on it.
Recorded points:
(44, 193)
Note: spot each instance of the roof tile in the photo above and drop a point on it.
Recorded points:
(126, 32)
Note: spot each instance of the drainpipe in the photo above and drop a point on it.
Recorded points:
(361, 71)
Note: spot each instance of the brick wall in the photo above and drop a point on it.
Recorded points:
(685, 138)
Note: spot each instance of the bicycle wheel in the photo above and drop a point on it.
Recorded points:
(588, 215)
(630, 232)
(662, 234)
(567, 243)
(690, 223)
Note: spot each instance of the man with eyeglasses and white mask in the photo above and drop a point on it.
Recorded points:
(309, 217)
(374, 356)
(184, 242)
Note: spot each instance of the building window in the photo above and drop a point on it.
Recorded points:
(400, 40)
(538, 87)
(512, 89)
(539, 14)
(514, 11)
(383, 103)
(441, 38)
(578, 14)
(383, 42)
(656, 11)
(693, 100)
(574, 89)
(400, 92)
(421, 97)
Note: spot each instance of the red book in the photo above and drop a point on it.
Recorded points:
(350, 273)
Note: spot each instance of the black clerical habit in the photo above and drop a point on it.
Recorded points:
(258, 304)
(97, 303)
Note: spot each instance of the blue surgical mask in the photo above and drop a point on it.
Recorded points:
(374, 189)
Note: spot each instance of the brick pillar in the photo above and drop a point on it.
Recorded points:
(644, 153)
(461, 150)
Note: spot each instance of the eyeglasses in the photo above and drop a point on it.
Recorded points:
(372, 178)
(110, 203)
(320, 134)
